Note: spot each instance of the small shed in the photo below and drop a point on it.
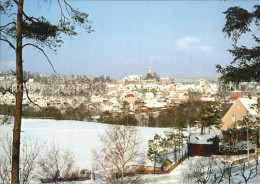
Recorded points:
(199, 145)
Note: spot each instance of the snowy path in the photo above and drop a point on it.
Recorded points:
(176, 176)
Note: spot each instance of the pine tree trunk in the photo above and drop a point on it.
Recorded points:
(182, 144)
(257, 138)
(19, 96)
(179, 142)
(175, 151)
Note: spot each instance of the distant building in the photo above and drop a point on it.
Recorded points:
(165, 80)
(111, 87)
(208, 99)
(133, 78)
(149, 70)
(234, 95)
(130, 98)
(96, 98)
(42, 102)
(203, 82)
(149, 95)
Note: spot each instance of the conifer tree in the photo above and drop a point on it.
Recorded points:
(27, 30)
(156, 149)
(246, 63)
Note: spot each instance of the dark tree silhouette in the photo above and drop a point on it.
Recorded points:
(246, 63)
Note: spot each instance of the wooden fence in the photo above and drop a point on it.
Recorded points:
(236, 152)
(65, 179)
(167, 171)
(243, 160)
(173, 166)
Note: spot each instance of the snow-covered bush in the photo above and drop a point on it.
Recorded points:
(209, 170)
(56, 163)
(120, 147)
(240, 146)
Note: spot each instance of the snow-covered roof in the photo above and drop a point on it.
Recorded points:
(237, 91)
(133, 77)
(248, 104)
(208, 99)
(196, 88)
(156, 105)
(111, 85)
(201, 138)
(184, 86)
(150, 86)
(165, 86)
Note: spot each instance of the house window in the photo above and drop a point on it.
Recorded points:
(233, 118)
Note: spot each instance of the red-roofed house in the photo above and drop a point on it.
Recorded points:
(130, 98)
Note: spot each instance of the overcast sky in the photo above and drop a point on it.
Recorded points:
(177, 39)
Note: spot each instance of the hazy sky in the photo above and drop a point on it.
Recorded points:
(177, 39)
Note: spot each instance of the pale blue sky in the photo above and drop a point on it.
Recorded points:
(177, 39)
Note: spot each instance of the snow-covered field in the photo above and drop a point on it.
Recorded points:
(81, 137)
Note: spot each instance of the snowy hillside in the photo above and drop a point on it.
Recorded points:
(80, 137)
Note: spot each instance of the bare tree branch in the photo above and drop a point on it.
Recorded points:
(30, 44)
(13, 72)
(16, 2)
(10, 44)
(8, 24)
(120, 147)
(7, 33)
(56, 163)
(30, 153)
(68, 5)
(32, 19)
(67, 10)
(27, 94)
(9, 90)
(61, 11)
(12, 14)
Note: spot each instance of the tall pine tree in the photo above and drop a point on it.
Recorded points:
(30, 31)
